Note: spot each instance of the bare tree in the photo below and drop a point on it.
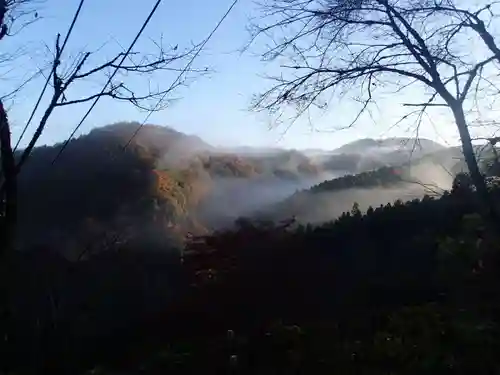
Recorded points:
(113, 70)
(362, 47)
(66, 72)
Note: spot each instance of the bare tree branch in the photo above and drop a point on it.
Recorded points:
(116, 89)
(336, 46)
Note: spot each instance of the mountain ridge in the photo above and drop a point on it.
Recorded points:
(163, 185)
(392, 142)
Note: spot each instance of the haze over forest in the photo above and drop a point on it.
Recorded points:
(168, 184)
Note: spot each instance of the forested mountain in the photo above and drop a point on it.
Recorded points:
(150, 191)
(162, 186)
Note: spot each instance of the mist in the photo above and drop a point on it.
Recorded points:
(421, 179)
(169, 184)
(231, 198)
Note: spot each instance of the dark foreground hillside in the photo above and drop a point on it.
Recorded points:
(408, 288)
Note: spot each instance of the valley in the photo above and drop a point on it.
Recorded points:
(166, 185)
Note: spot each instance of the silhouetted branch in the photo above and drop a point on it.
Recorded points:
(13, 12)
(115, 89)
(333, 47)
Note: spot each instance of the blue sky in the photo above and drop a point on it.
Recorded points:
(213, 107)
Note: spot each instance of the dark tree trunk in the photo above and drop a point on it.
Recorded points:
(487, 206)
(10, 183)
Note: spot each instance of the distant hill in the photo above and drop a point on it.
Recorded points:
(368, 145)
(248, 150)
(369, 154)
(429, 174)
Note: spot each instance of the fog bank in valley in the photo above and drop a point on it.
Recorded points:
(421, 179)
(231, 198)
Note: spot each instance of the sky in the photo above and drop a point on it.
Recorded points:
(214, 107)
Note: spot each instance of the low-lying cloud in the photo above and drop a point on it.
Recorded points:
(419, 180)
